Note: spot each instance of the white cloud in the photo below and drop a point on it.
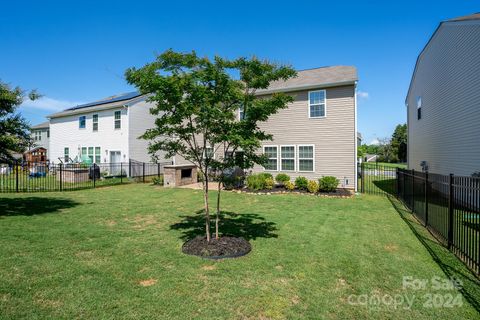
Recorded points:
(362, 94)
(48, 104)
(375, 142)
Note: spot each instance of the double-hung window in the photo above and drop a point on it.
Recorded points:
(317, 107)
(306, 158)
(90, 154)
(95, 122)
(271, 152)
(208, 153)
(97, 155)
(82, 122)
(287, 156)
(118, 119)
(66, 154)
(241, 113)
(419, 108)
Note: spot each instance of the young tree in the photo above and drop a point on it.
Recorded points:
(196, 103)
(15, 136)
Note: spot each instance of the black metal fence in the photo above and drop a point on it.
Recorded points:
(35, 177)
(376, 179)
(449, 206)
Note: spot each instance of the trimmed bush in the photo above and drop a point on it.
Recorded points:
(281, 178)
(269, 183)
(289, 185)
(259, 181)
(312, 186)
(301, 183)
(328, 184)
(265, 175)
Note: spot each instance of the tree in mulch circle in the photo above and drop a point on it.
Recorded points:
(196, 104)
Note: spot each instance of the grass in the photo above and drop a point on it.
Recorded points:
(385, 164)
(114, 252)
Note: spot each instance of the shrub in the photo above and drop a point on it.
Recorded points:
(281, 178)
(157, 181)
(265, 175)
(255, 182)
(289, 185)
(233, 178)
(269, 183)
(312, 186)
(301, 183)
(328, 183)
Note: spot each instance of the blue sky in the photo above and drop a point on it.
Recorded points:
(75, 52)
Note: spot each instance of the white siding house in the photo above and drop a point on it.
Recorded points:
(105, 131)
(40, 135)
(443, 100)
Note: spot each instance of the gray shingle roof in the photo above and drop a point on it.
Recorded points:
(318, 77)
(474, 16)
(42, 125)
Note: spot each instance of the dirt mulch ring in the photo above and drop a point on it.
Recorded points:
(222, 248)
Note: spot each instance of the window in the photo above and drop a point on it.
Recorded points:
(98, 157)
(118, 121)
(81, 122)
(316, 104)
(208, 153)
(84, 153)
(90, 153)
(272, 155)
(305, 158)
(241, 113)
(287, 156)
(48, 133)
(66, 154)
(95, 122)
(37, 135)
(419, 108)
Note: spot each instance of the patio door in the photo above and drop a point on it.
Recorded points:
(115, 159)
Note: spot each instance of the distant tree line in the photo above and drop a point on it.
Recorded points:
(391, 150)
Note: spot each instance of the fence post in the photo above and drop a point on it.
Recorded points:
(426, 199)
(16, 176)
(94, 173)
(130, 168)
(61, 176)
(397, 175)
(143, 174)
(450, 211)
(362, 176)
(158, 170)
(121, 172)
(413, 190)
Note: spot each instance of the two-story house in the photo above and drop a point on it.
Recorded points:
(443, 100)
(317, 134)
(40, 135)
(105, 131)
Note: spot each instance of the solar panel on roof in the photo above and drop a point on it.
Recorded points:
(122, 97)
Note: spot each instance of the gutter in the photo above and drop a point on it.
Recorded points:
(307, 87)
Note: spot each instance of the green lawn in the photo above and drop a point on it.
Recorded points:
(115, 252)
(386, 164)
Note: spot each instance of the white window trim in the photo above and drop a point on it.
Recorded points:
(93, 122)
(272, 145)
(115, 120)
(279, 153)
(239, 114)
(325, 103)
(205, 152)
(298, 157)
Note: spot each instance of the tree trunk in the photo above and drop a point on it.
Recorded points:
(207, 212)
(217, 217)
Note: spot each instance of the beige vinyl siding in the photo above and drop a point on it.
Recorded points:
(447, 78)
(333, 136)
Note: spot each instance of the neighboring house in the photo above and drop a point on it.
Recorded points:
(104, 131)
(443, 100)
(316, 135)
(40, 134)
(36, 155)
(370, 158)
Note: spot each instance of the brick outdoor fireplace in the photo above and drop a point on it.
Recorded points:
(179, 175)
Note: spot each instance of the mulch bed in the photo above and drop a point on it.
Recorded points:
(221, 248)
(339, 193)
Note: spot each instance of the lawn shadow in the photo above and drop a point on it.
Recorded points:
(386, 185)
(246, 225)
(451, 266)
(33, 205)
